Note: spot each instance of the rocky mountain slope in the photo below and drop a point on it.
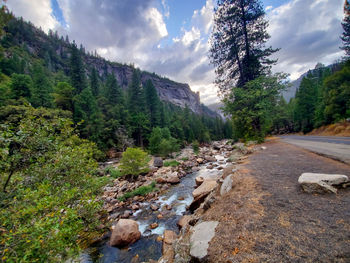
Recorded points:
(55, 50)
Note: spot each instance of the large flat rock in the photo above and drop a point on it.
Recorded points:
(321, 183)
(200, 238)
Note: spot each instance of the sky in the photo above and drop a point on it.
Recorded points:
(170, 37)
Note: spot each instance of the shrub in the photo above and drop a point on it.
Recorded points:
(168, 146)
(142, 190)
(184, 158)
(134, 162)
(171, 163)
(113, 172)
(195, 147)
(50, 208)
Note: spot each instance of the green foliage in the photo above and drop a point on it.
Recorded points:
(345, 37)
(141, 191)
(253, 105)
(195, 147)
(21, 85)
(77, 72)
(134, 162)
(153, 103)
(171, 163)
(41, 88)
(63, 96)
(50, 208)
(161, 143)
(337, 95)
(114, 172)
(238, 43)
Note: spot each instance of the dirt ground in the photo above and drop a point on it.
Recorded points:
(267, 217)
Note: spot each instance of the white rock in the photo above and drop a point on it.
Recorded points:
(200, 238)
(263, 148)
(226, 185)
(321, 183)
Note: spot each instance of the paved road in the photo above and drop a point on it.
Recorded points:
(334, 147)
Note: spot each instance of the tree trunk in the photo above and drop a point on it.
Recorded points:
(8, 180)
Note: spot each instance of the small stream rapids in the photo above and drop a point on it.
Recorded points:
(179, 197)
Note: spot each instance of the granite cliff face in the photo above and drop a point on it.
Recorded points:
(170, 91)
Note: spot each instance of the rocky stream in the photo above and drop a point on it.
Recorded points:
(184, 191)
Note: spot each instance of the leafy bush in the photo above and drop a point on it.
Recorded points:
(134, 162)
(142, 190)
(184, 159)
(171, 163)
(195, 147)
(50, 208)
(114, 172)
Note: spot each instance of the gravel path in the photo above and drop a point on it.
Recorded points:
(267, 218)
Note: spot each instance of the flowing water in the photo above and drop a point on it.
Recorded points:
(178, 197)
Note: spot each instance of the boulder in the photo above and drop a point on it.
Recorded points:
(153, 225)
(171, 178)
(200, 193)
(168, 249)
(199, 180)
(125, 233)
(126, 214)
(200, 238)
(204, 189)
(321, 183)
(157, 162)
(230, 169)
(154, 207)
(216, 146)
(184, 221)
(210, 158)
(200, 160)
(226, 185)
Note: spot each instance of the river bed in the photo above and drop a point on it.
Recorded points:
(173, 205)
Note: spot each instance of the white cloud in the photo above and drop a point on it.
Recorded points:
(38, 12)
(155, 17)
(190, 36)
(307, 31)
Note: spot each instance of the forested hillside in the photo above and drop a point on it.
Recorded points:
(113, 105)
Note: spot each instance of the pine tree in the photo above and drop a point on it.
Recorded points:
(345, 37)
(113, 92)
(42, 88)
(63, 96)
(77, 72)
(153, 103)
(94, 83)
(136, 101)
(21, 85)
(238, 43)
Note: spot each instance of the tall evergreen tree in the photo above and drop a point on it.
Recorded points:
(42, 88)
(77, 72)
(153, 103)
(136, 101)
(113, 92)
(238, 43)
(21, 85)
(345, 37)
(94, 83)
